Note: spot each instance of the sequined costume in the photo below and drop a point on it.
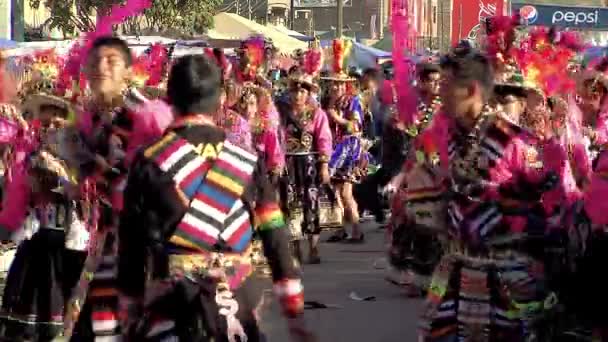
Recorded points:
(307, 140)
(51, 231)
(105, 134)
(265, 131)
(237, 128)
(344, 161)
(417, 220)
(486, 288)
(197, 264)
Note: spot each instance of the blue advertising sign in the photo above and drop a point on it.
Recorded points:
(563, 16)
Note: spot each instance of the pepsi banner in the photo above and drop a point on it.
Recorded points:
(563, 16)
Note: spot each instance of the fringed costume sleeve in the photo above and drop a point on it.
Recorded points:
(601, 129)
(275, 156)
(595, 202)
(15, 203)
(322, 134)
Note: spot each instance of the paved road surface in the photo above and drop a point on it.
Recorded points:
(346, 268)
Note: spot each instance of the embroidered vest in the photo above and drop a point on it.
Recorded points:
(216, 220)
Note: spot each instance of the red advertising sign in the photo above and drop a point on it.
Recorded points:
(468, 17)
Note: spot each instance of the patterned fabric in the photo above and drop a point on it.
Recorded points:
(344, 162)
(478, 166)
(216, 216)
(269, 217)
(299, 189)
(476, 299)
(237, 128)
(39, 282)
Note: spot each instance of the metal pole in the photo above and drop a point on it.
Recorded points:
(340, 18)
(460, 23)
(292, 13)
(249, 8)
(380, 19)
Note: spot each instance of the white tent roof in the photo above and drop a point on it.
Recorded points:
(287, 31)
(232, 26)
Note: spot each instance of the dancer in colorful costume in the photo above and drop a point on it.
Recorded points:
(485, 287)
(198, 264)
(346, 117)
(49, 224)
(106, 125)
(594, 120)
(588, 286)
(234, 122)
(415, 247)
(307, 141)
(260, 114)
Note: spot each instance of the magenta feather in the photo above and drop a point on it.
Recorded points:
(402, 39)
(79, 51)
(150, 121)
(157, 62)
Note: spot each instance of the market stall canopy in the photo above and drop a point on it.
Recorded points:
(235, 27)
(360, 55)
(294, 34)
(366, 56)
(386, 43)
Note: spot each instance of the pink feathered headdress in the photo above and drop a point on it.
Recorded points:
(150, 120)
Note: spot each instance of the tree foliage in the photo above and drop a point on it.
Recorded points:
(186, 16)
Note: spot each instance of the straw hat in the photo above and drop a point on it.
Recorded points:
(34, 102)
(516, 82)
(305, 80)
(339, 77)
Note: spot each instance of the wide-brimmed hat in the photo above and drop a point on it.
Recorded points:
(305, 80)
(515, 82)
(339, 77)
(34, 102)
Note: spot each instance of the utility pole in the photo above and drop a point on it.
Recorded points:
(292, 13)
(340, 18)
(380, 19)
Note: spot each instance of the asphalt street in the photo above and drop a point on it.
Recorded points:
(351, 271)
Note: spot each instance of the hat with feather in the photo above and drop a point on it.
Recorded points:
(339, 58)
(251, 58)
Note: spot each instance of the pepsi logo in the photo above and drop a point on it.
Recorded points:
(528, 14)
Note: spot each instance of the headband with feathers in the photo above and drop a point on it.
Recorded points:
(313, 61)
(340, 52)
(252, 57)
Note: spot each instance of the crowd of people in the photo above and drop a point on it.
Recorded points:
(139, 211)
